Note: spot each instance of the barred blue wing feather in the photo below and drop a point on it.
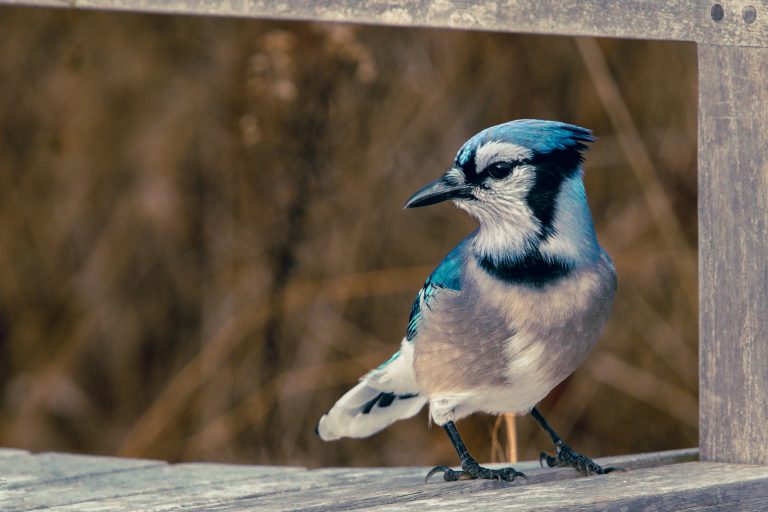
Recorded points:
(446, 275)
(389, 393)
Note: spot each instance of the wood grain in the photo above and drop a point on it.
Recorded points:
(81, 483)
(733, 245)
(678, 20)
(733, 254)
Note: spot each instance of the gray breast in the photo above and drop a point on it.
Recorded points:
(492, 334)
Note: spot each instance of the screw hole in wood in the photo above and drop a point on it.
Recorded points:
(717, 12)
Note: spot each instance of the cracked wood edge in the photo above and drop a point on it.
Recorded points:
(673, 20)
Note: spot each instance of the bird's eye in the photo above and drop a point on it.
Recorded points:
(499, 170)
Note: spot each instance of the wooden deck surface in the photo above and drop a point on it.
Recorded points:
(657, 481)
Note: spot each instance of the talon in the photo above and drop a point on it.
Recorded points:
(510, 474)
(551, 461)
(565, 456)
(472, 470)
(437, 469)
(452, 476)
(449, 475)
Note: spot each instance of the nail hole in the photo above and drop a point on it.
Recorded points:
(749, 14)
(717, 12)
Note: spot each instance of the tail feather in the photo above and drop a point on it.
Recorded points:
(382, 397)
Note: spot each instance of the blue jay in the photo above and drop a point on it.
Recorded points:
(511, 311)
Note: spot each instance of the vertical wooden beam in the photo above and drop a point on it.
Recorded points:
(733, 253)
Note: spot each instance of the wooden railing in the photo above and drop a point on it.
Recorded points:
(732, 39)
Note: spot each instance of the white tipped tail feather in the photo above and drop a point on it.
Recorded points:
(383, 396)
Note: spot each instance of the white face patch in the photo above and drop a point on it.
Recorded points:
(495, 151)
(508, 225)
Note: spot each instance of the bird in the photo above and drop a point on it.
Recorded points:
(511, 311)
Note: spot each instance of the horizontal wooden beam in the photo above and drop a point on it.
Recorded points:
(717, 22)
(657, 481)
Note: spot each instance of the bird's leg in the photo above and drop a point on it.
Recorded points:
(470, 468)
(564, 454)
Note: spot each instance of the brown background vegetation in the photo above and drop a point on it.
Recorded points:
(202, 241)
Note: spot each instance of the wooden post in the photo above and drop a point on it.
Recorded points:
(733, 253)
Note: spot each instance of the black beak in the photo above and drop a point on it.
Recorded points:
(438, 191)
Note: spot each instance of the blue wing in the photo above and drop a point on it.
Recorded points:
(446, 275)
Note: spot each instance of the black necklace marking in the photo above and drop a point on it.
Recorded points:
(532, 270)
(551, 170)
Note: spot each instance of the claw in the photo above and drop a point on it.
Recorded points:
(470, 469)
(437, 469)
(449, 475)
(509, 474)
(566, 456)
(474, 470)
(551, 461)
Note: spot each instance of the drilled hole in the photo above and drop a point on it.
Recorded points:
(717, 12)
(749, 14)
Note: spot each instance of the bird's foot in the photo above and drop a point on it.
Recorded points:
(471, 470)
(566, 456)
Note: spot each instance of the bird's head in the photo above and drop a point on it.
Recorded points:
(522, 181)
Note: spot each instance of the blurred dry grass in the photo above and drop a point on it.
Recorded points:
(202, 243)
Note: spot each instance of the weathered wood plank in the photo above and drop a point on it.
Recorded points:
(71, 482)
(733, 254)
(149, 486)
(184, 486)
(323, 486)
(24, 472)
(366, 487)
(693, 486)
(679, 20)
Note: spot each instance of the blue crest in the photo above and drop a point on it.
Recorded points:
(539, 136)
